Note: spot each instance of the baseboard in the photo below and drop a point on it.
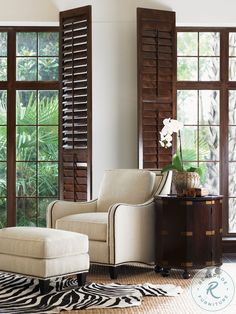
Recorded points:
(229, 245)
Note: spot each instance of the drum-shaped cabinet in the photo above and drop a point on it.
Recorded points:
(188, 233)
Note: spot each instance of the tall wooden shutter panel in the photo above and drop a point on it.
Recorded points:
(156, 77)
(76, 104)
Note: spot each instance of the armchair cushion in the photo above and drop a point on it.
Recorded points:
(94, 225)
(130, 186)
(58, 209)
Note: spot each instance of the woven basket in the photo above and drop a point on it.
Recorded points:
(185, 180)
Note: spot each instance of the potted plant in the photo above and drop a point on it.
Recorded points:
(184, 178)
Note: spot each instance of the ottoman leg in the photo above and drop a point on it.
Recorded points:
(81, 278)
(44, 286)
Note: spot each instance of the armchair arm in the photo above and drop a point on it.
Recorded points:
(59, 209)
(131, 233)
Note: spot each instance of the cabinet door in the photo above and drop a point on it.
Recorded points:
(199, 226)
(217, 227)
(156, 77)
(204, 221)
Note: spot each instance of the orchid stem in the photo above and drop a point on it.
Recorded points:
(180, 151)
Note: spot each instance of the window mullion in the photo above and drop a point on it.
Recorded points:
(224, 165)
(11, 130)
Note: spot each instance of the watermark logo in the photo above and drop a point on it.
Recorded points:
(212, 289)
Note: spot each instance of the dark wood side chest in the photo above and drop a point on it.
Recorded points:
(188, 233)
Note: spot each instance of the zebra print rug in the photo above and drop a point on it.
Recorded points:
(21, 295)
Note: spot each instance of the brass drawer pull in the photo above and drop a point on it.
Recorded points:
(187, 233)
(210, 232)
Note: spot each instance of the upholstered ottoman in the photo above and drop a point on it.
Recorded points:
(44, 253)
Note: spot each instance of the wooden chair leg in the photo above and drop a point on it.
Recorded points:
(158, 269)
(44, 286)
(113, 270)
(81, 278)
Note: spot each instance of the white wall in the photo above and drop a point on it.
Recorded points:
(114, 84)
(115, 70)
(28, 12)
(115, 62)
(189, 12)
(114, 87)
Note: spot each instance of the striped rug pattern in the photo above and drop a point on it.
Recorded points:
(21, 295)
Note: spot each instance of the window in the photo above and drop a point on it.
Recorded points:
(36, 56)
(199, 111)
(206, 103)
(28, 124)
(198, 56)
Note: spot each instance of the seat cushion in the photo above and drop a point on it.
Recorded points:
(41, 242)
(94, 225)
(45, 268)
(131, 186)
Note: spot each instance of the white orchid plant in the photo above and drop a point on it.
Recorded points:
(174, 126)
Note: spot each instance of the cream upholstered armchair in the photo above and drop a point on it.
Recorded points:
(120, 223)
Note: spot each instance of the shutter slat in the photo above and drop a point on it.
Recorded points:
(156, 72)
(69, 84)
(75, 63)
(76, 98)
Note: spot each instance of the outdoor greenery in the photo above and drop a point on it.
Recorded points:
(3, 191)
(36, 127)
(199, 110)
(36, 143)
(201, 142)
(198, 56)
(3, 54)
(37, 56)
(232, 157)
(32, 180)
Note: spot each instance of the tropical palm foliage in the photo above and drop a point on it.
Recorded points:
(36, 126)
(36, 155)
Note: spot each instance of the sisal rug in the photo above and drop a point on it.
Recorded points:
(21, 295)
(183, 304)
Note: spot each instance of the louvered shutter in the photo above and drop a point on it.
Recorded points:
(76, 104)
(156, 77)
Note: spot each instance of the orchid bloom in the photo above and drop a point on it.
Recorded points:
(166, 140)
(170, 126)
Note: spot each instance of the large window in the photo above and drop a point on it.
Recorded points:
(28, 124)
(206, 103)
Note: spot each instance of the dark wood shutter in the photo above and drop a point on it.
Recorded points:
(156, 82)
(76, 104)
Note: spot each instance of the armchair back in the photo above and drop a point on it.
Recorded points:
(130, 186)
